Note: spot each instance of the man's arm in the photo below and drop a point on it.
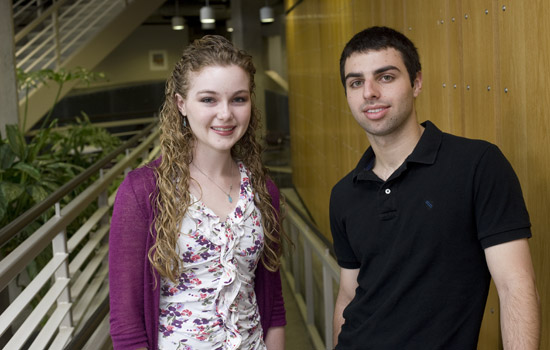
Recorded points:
(512, 271)
(346, 292)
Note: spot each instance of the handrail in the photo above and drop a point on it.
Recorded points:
(13, 228)
(311, 225)
(303, 232)
(23, 32)
(77, 297)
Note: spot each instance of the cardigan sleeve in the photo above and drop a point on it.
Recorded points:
(127, 251)
(278, 312)
(273, 279)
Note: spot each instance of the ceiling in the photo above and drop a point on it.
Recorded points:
(189, 10)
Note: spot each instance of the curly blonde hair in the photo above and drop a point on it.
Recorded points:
(176, 141)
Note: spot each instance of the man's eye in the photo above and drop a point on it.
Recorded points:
(356, 83)
(387, 78)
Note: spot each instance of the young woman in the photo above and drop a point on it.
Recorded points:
(194, 242)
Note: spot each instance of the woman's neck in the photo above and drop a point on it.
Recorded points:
(216, 164)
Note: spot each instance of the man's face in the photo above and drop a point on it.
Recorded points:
(379, 91)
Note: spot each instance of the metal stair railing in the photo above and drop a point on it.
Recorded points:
(77, 272)
(43, 45)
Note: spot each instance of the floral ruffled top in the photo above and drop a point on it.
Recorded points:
(214, 305)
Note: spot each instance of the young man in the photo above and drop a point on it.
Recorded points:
(424, 221)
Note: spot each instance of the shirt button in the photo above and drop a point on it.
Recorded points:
(388, 191)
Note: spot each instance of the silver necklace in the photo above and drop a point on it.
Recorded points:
(228, 194)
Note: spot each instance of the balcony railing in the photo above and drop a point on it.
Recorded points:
(74, 281)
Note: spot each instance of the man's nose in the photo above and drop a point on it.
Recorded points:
(370, 90)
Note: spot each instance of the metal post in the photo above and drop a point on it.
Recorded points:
(55, 28)
(129, 168)
(308, 271)
(328, 297)
(103, 201)
(295, 261)
(59, 246)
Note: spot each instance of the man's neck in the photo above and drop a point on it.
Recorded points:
(392, 150)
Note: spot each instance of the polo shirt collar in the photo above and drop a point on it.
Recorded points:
(425, 152)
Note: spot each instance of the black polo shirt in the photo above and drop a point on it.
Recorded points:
(418, 240)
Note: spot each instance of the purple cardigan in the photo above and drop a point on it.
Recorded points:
(134, 301)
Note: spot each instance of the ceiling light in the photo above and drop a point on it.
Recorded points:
(177, 20)
(177, 23)
(207, 14)
(229, 25)
(266, 14)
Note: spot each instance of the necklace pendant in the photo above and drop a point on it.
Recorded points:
(229, 199)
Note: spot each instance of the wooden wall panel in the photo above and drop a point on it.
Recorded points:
(479, 69)
(455, 72)
(485, 69)
(512, 94)
(425, 22)
(537, 153)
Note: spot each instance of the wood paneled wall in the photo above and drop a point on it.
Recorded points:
(486, 66)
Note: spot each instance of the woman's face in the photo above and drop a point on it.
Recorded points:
(218, 107)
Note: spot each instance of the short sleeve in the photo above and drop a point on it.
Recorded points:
(501, 214)
(345, 255)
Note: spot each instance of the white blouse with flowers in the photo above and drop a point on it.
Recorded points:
(213, 305)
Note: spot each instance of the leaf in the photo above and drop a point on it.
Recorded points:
(10, 191)
(28, 169)
(52, 186)
(7, 156)
(38, 193)
(16, 140)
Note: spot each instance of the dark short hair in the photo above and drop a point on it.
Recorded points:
(379, 38)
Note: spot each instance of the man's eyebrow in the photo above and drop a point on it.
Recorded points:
(376, 72)
(385, 69)
(353, 75)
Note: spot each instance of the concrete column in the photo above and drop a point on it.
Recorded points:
(9, 101)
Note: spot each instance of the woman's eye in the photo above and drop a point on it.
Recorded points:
(207, 100)
(240, 99)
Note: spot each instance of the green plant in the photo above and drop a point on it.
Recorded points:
(29, 80)
(28, 173)
(33, 167)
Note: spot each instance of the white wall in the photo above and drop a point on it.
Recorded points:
(129, 62)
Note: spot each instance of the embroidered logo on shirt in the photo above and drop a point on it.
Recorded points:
(429, 204)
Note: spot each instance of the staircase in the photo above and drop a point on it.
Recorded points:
(69, 34)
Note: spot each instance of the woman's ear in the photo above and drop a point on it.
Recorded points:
(180, 102)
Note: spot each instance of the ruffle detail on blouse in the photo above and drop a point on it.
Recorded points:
(227, 235)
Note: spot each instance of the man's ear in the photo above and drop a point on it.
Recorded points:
(417, 84)
(180, 102)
